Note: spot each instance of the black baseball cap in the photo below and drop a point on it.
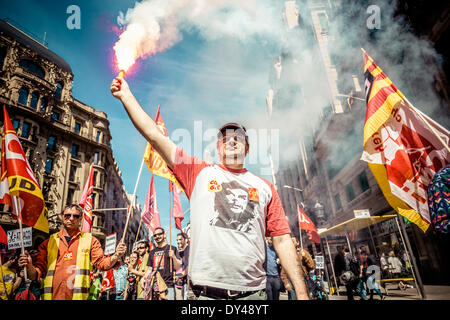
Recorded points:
(232, 125)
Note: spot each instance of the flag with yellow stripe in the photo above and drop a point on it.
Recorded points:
(17, 180)
(403, 147)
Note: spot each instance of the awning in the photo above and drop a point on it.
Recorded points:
(354, 225)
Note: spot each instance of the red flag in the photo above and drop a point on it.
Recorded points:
(305, 223)
(3, 236)
(177, 209)
(150, 215)
(403, 147)
(17, 179)
(108, 280)
(86, 201)
(313, 236)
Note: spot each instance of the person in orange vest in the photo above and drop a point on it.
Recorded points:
(64, 260)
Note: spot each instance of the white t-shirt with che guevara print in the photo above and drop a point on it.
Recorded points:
(231, 213)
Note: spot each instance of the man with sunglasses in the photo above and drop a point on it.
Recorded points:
(164, 258)
(64, 260)
(226, 259)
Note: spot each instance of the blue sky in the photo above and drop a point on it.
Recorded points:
(213, 81)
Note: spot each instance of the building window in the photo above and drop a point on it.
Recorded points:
(2, 56)
(75, 149)
(23, 96)
(51, 144)
(44, 103)
(25, 130)
(97, 138)
(363, 182)
(55, 116)
(16, 124)
(337, 200)
(350, 192)
(95, 179)
(30, 157)
(32, 67)
(70, 193)
(96, 158)
(323, 20)
(58, 92)
(34, 100)
(48, 165)
(73, 171)
(77, 128)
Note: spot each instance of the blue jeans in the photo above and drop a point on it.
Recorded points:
(291, 293)
(273, 286)
(360, 289)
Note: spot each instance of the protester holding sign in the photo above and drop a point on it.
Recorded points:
(64, 260)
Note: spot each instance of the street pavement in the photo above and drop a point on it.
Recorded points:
(431, 292)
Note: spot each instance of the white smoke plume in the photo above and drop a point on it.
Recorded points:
(229, 79)
(154, 26)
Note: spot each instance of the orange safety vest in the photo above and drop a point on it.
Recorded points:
(83, 266)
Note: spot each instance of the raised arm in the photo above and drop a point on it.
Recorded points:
(143, 122)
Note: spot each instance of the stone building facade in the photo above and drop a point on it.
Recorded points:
(61, 136)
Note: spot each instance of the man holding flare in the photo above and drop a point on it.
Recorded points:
(226, 259)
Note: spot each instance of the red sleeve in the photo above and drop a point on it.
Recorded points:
(41, 260)
(98, 259)
(186, 169)
(276, 222)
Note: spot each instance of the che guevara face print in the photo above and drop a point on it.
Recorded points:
(234, 208)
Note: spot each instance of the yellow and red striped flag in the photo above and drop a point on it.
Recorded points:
(17, 179)
(403, 147)
(154, 161)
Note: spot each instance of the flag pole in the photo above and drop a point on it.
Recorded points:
(299, 228)
(126, 223)
(18, 213)
(134, 201)
(137, 233)
(137, 182)
(301, 240)
(170, 225)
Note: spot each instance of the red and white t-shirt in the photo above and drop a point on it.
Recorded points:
(231, 212)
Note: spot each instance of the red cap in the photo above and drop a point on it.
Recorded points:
(232, 125)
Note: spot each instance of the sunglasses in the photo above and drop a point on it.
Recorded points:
(238, 136)
(158, 234)
(75, 216)
(141, 247)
